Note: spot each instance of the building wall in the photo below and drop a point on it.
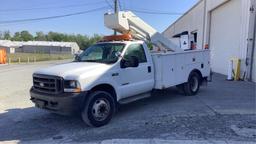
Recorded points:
(46, 49)
(223, 24)
(41, 46)
(8, 49)
(252, 42)
(192, 21)
(18, 50)
(212, 4)
(12, 50)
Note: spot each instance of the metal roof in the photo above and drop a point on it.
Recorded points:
(8, 43)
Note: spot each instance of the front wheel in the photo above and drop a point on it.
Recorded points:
(192, 87)
(99, 109)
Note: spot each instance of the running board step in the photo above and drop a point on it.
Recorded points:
(135, 98)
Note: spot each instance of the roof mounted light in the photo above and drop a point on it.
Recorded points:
(124, 37)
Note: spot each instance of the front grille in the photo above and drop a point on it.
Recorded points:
(47, 84)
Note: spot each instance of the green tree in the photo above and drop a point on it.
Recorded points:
(54, 36)
(26, 36)
(40, 36)
(1, 35)
(7, 35)
(84, 41)
(16, 36)
(95, 38)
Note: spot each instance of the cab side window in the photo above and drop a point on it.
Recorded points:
(136, 50)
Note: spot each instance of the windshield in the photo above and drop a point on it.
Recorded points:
(101, 53)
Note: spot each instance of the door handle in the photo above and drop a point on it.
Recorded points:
(149, 69)
(115, 74)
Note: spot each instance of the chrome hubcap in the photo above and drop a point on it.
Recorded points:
(100, 109)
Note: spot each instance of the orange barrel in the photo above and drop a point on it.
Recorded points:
(3, 56)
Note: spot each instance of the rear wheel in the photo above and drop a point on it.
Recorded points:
(192, 87)
(99, 109)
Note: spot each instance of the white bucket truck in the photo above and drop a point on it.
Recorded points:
(120, 69)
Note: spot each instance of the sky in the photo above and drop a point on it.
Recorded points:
(88, 23)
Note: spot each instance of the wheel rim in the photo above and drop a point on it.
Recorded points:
(194, 84)
(100, 109)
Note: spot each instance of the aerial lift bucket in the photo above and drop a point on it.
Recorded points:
(3, 56)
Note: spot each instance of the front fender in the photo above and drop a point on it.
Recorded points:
(89, 83)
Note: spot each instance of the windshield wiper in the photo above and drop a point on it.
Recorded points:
(91, 61)
(110, 62)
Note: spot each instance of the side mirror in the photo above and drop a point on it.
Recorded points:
(77, 58)
(118, 54)
(132, 61)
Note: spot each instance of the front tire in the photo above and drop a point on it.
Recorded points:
(99, 109)
(192, 87)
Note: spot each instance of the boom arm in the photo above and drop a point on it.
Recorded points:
(127, 22)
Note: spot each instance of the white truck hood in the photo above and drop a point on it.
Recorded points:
(74, 69)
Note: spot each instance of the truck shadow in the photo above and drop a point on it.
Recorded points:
(157, 97)
(29, 124)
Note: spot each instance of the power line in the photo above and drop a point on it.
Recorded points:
(51, 17)
(110, 6)
(155, 12)
(53, 7)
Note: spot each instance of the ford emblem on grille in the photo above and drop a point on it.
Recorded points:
(41, 84)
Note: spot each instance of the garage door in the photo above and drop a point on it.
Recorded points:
(224, 35)
(254, 64)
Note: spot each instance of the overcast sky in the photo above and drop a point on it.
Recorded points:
(88, 23)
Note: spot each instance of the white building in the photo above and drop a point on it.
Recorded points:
(10, 46)
(40, 47)
(227, 27)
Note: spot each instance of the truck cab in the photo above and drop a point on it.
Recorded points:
(120, 68)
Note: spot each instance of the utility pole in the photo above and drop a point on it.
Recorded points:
(116, 11)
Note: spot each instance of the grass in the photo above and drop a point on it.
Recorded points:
(37, 57)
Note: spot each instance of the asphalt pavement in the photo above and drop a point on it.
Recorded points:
(222, 112)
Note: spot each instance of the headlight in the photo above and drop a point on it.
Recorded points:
(72, 86)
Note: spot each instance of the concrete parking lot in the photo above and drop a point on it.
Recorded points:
(223, 112)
